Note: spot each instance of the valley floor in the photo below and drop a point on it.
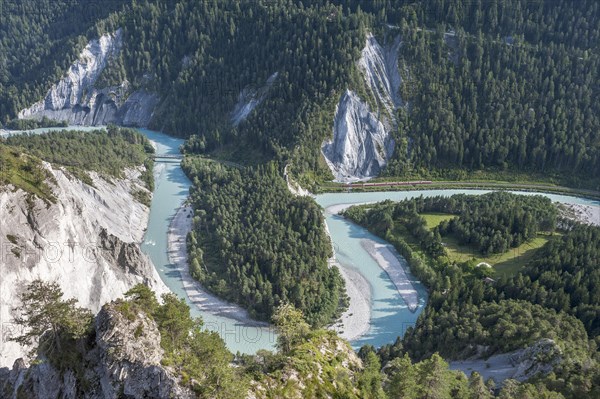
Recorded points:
(356, 321)
(180, 226)
(394, 184)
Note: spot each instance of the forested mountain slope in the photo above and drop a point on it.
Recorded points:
(473, 313)
(488, 85)
(39, 39)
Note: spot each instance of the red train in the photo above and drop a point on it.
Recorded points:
(395, 183)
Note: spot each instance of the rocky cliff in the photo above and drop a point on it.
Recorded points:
(87, 241)
(537, 360)
(361, 143)
(123, 361)
(76, 99)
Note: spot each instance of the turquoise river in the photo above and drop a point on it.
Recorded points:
(389, 314)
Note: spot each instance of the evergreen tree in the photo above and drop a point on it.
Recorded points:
(48, 320)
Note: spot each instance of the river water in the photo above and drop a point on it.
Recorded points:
(170, 191)
(389, 315)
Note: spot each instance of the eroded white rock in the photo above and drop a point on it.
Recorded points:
(88, 242)
(77, 100)
(249, 99)
(361, 143)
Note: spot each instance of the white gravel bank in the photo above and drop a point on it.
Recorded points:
(588, 214)
(385, 256)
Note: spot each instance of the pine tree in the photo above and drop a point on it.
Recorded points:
(46, 317)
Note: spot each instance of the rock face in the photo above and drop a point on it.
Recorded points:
(123, 362)
(129, 356)
(76, 99)
(87, 241)
(380, 67)
(361, 143)
(539, 359)
(295, 188)
(249, 99)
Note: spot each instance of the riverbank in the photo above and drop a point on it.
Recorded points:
(356, 320)
(180, 226)
(587, 214)
(386, 257)
(331, 187)
(389, 262)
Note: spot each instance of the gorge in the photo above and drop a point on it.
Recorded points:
(252, 261)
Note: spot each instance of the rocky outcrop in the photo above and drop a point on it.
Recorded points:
(295, 188)
(124, 361)
(77, 100)
(87, 241)
(129, 358)
(582, 213)
(361, 143)
(379, 65)
(536, 360)
(249, 98)
(325, 361)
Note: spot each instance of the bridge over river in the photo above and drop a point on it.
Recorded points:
(167, 157)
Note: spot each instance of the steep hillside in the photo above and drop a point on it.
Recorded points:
(83, 234)
(362, 141)
(122, 357)
(223, 71)
(504, 86)
(79, 99)
(487, 92)
(40, 40)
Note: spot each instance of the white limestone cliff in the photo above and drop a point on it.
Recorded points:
(380, 68)
(88, 242)
(77, 100)
(361, 143)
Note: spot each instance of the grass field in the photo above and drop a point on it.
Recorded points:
(504, 264)
(434, 219)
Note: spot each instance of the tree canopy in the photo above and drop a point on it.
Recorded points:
(255, 243)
